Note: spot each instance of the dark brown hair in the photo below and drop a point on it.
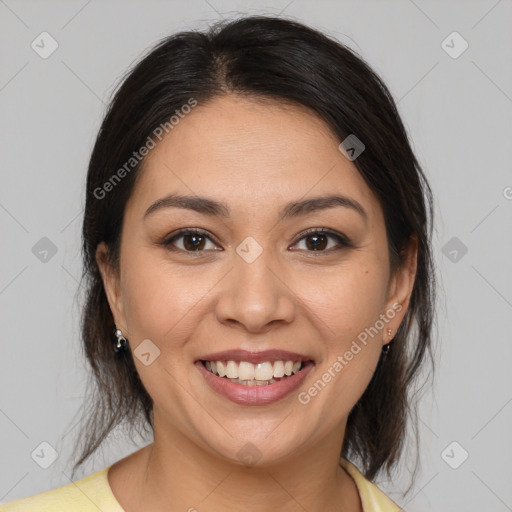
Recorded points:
(276, 59)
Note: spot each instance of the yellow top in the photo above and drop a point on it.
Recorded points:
(93, 493)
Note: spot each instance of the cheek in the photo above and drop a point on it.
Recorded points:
(347, 307)
(346, 301)
(160, 302)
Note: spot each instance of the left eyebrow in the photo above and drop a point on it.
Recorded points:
(206, 206)
(314, 204)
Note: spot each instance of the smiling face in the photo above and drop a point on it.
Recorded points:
(256, 276)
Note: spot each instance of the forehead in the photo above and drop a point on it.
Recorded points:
(250, 154)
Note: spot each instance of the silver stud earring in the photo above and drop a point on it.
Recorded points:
(121, 343)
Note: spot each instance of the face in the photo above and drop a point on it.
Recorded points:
(261, 266)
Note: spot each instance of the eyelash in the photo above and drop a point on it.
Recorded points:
(343, 241)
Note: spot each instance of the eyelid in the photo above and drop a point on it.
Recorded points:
(342, 239)
(168, 240)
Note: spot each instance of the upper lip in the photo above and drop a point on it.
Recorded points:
(255, 357)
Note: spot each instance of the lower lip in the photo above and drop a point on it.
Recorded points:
(254, 395)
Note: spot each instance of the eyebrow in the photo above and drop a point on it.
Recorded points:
(206, 206)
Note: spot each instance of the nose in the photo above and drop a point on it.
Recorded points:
(254, 296)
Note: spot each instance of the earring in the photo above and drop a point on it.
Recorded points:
(121, 344)
(385, 348)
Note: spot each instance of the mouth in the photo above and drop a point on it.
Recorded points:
(249, 374)
(254, 378)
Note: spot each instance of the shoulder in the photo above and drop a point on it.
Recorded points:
(372, 498)
(91, 493)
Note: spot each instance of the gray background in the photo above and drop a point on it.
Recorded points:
(457, 111)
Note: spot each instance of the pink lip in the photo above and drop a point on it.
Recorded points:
(254, 395)
(256, 357)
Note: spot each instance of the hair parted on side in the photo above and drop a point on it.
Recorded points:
(285, 61)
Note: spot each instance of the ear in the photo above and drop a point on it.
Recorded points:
(400, 288)
(112, 285)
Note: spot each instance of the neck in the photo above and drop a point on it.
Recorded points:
(175, 470)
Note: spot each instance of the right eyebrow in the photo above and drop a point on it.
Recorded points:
(198, 204)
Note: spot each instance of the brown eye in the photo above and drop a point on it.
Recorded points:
(193, 242)
(189, 241)
(318, 240)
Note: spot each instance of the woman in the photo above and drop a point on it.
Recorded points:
(260, 291)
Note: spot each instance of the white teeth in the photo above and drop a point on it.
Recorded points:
(245, 371)
(279, 369)
(253, 374)
(231, 370)
(221, 369)
(264, 371)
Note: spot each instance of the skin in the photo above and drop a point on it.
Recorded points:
(256, 157)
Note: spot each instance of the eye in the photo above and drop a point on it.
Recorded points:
(317, 239)
(191, 240)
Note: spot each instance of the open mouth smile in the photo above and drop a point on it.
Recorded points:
(254, 378)
(249, 374)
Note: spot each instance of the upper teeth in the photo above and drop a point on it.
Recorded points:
(244, 370)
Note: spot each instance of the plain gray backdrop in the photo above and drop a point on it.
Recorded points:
(456, 102)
